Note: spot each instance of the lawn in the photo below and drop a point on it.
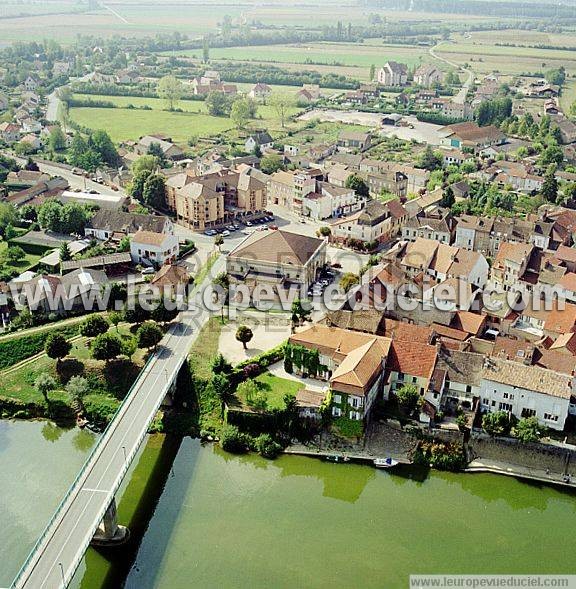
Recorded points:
(275, 388)
(205, 348)
(29, 260)
(123, 124)
(130, 124)
(115, 377)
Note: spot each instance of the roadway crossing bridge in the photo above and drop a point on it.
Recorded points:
(88, 510)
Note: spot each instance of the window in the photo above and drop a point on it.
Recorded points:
(485, 401)
(337, 399)
(468, 388)
(336, 412)
(550, 417)
(400, 376)
(356, 402)
(355, 415)
(504, 395)
(505, 407)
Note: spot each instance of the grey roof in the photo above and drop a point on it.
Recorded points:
(121, 222)
(97, 261)
(461, 367)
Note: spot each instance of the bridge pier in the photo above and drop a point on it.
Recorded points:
(109, 533)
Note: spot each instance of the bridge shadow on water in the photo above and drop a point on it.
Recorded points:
(108, 568)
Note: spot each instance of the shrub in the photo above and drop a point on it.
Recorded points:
(497, 423)
(93, 326)
(349, 428)
(440, 455)
(266, 446)
(233, 440)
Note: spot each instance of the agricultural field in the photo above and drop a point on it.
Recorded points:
(330, 54)
(487, 57)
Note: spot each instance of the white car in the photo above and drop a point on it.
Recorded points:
(225, 233)
(148, 271)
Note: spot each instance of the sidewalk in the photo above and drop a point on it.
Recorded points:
(521, 472)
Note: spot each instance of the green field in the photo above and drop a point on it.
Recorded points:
(347, 54)
(130, 124)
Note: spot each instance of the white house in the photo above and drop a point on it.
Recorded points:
(148, 247)
(526, 391)
(393, 74)
(261, 140)
(330, 201)
(377, 221)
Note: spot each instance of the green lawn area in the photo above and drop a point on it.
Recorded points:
(27, 262)
(130, 124)
(115, 377)
(275, 388)
(205, 348)
(568, 96)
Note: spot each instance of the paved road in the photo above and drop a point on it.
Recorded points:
(62, 546)
(74, 180)
(459, 98)
(53, 107)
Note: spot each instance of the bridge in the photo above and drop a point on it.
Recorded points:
(89, 506)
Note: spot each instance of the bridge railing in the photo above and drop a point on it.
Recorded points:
(87, 464)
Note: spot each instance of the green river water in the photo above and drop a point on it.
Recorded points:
(221, 521)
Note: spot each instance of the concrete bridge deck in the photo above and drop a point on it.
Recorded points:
(59, 551)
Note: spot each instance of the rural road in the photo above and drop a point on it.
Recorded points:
(61, 548)
(460, 98)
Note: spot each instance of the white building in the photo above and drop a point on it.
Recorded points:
(526, 391)
(148, 247)
(330, 201)
(393, 74)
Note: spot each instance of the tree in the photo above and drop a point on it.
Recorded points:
(45, 383)
(221, 385)
(349, 280)
(118, 295)
(57, 139)
(78, 387)
(429, 159)
(106, 346)
(271, 163)
(93, 326)
(220, 365)
(556, 76)
(300, 311)
(218, 241)
(552, 154)
(497, 423)
(57, 347)
(102, 144)
(146, 163)
(115, 318)
(65, 253)
(408, 397)
(244, 334)
(240, 112)
(14, 254)
(8, 216)
(124, 244)
(28, 214)
(372, 72)
(205, 50)
(154, 191)
(357, 184)
(149, 335)
(136, 188)
(550, 185)
(253, 395)
(281, 104)
(161, 314)
(217, 104)
(129, 347)
(448, 198)
(233, 440)
(170, 89)
(528, 430)
(324, 231)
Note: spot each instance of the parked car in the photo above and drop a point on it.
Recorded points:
(225, 233)
(149, 270)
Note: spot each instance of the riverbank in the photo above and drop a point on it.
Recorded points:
(519, 472)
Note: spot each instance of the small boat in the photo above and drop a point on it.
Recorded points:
(385, 462)
(337, 458)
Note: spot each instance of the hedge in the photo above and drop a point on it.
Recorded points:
(16, 350)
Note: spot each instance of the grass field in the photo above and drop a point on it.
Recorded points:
(347, 54)
(485, 57)
(275, 388)
(568, 96)
(130, 124)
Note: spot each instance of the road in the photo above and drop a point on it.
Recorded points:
(459, 98)
(53, 107)
(61, 548)
(75, 181)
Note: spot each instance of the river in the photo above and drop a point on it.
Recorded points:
(224, 521)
